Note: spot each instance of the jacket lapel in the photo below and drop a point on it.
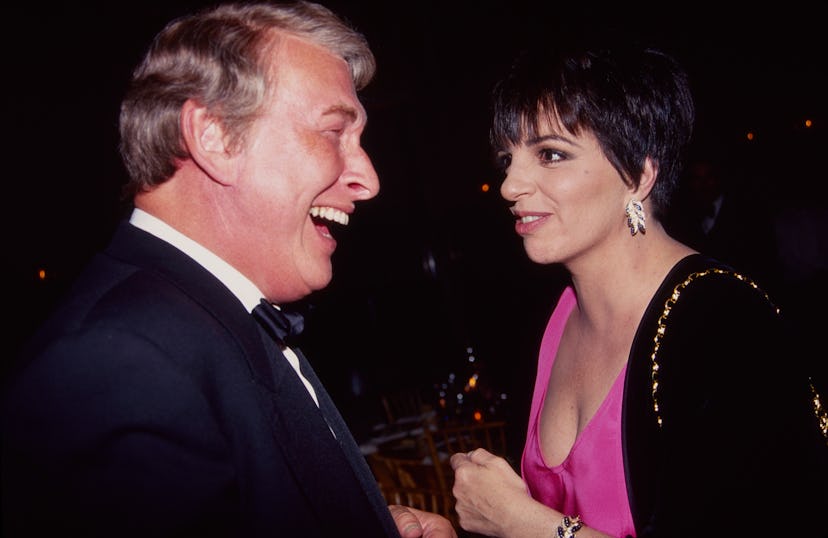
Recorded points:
(338, 468)
(640, 434)
(346, 442)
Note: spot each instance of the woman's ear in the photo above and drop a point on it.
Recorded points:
(207, 143)
(648, 178)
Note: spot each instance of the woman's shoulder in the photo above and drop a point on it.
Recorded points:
(709, 311)
(705, 283)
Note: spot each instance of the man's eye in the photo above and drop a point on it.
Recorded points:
(333, 128)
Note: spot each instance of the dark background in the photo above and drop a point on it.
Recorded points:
(431, 267)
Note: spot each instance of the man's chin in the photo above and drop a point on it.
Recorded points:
(320, 277)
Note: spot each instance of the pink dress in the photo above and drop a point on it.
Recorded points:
(590, 482)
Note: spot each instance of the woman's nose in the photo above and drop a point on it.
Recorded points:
(513, 187)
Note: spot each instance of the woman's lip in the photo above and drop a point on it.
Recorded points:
(527, 224)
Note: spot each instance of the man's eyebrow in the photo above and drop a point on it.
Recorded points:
(344, 110)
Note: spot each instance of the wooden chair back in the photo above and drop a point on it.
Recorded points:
(404, 403)
(429, 500)
(467, 437)
(412, 482)
(403, 472)
(443, 441)
(424, 481)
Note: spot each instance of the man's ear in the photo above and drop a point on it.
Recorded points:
(648, 178)
(207, 143)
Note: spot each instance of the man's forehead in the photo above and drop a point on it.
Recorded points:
(302, 69)
(287, 48)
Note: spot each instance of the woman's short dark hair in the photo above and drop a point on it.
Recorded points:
(636, 102)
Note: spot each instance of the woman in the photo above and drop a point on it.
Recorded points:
(664, 403)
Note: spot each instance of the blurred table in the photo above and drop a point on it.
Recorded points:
(400, 443)
(403, 438)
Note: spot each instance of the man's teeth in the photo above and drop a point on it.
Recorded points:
(330, 213)
(527, 220)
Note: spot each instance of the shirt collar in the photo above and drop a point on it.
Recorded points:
(237, 283)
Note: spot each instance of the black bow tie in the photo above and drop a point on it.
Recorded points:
(281, 325)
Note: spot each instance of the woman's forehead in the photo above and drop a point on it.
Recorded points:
(543, 122)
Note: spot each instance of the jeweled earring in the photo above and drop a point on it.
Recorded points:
(635, 217)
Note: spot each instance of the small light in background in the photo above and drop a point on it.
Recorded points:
(750, 136)
(41, 274)
(430, 264)
(478, 416)
(808, 123)
(484, 187)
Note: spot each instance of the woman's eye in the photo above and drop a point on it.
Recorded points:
(548, 155)
(502, 161)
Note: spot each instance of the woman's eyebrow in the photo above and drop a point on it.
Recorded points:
(544, 138)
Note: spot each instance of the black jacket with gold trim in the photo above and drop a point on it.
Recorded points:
(719, 431)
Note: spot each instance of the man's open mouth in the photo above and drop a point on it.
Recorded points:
(323, 216)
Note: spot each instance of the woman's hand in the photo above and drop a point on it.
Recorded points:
(413, 523)
(489, 493)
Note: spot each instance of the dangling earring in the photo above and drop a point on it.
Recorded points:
(635, 217)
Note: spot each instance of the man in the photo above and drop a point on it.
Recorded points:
(153, 403)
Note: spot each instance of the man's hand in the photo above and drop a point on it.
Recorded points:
(413, 523)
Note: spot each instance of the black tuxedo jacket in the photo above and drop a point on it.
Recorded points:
(149, 406)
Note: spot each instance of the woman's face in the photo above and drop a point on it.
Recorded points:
(567, 199)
